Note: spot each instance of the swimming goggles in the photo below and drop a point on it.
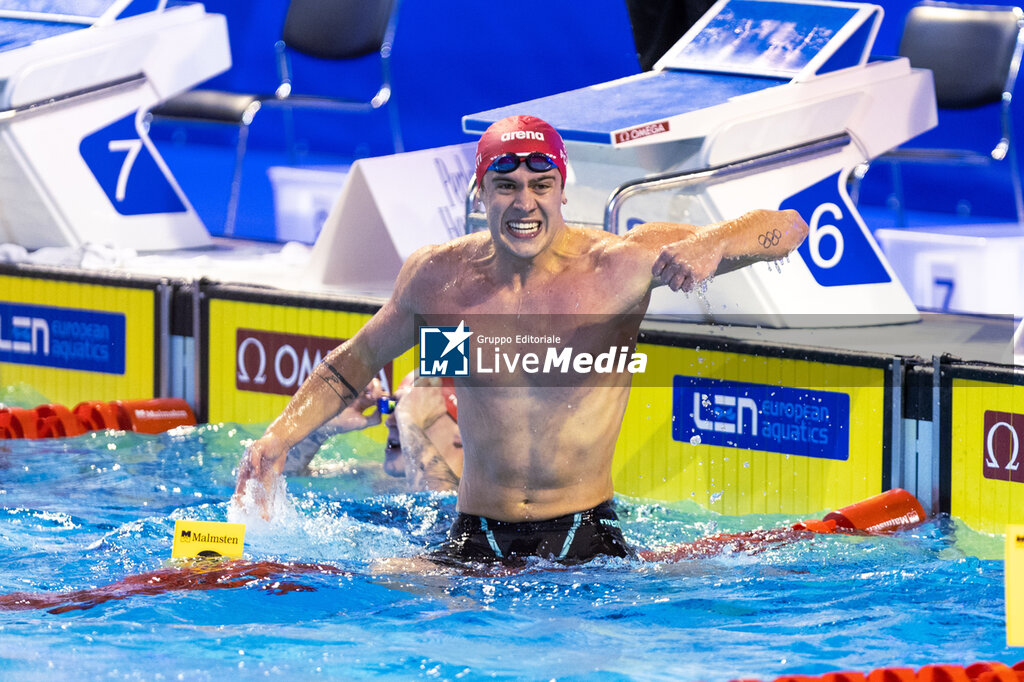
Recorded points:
(535, 161)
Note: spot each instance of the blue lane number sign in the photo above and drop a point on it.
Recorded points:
(836, 250)
(127, 170)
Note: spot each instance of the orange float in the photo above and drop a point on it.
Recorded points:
(96, 415)
(56, 421)
(984, 671)
(890, 510)
(153, 415)
(17, 422)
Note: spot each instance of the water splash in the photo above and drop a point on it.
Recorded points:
(260, 508)
(701, 291)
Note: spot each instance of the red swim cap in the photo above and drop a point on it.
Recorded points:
(519, 135)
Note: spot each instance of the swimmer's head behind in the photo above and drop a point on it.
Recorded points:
(517, 139)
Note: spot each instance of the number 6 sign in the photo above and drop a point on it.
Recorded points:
(817, 232)
(836, 251)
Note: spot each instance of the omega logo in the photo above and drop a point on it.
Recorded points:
(271, 362)
(1002, 446)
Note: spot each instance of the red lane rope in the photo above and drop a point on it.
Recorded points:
(153, 415)
(882, 513)
(890, 511)
(983, 671)
(272, 576)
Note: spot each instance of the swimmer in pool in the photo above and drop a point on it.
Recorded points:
(354, 417)
(424, 442)
(536, 477)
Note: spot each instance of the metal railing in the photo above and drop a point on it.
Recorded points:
(113, 86)
(679, 179)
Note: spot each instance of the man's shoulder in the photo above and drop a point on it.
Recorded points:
(437, 259)
(618, 263)
(592, 242)
(609, 250)
(430, 268)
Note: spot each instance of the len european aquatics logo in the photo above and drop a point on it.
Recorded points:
(444, 351)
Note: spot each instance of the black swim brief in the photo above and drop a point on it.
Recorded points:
(572, 538)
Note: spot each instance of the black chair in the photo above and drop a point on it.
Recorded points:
(974, 53)
(325, 30)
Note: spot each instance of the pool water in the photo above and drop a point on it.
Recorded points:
(83, 512)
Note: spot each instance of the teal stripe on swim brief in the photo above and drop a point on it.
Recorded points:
(490, 538)
(576, 518)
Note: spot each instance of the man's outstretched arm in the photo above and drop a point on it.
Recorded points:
(688, 255)
(353, 418)
(331, 387)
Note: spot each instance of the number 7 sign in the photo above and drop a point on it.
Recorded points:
(127, 171)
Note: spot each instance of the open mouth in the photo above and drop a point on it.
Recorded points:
(523, 229)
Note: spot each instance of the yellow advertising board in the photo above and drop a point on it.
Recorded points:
(741, 433)
(260, 352)
(1014, 571)
(986, 451)
(79, 338)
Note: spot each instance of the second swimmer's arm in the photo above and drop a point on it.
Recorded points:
(431, 469)
(417, 411)
(352, 418)
(328, 390)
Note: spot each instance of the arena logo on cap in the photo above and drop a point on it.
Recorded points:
(522, 135)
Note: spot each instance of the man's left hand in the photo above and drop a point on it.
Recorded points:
(684, 264)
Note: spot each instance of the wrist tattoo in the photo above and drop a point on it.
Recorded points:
(769, 239)
(333, 380)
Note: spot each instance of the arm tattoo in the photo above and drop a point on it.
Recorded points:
(769, 239)
(430, 468)
(337, 377)
(438, 473)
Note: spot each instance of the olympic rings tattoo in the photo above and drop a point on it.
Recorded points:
(769, 238)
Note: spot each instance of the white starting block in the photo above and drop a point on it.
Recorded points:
(390, 206)
(960, 268)
(762, 104)
(76, 164)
